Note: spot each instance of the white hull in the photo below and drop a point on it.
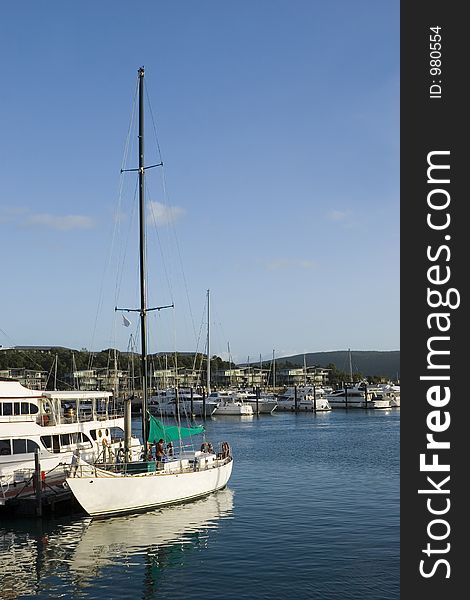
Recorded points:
(392, 393)
(309, 399)
(265, 407)
(356, 397)
(304, 405)
(358, 403)
(235, 410)
(111, 494)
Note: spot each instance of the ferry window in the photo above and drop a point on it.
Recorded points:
(7, 408)
(117, 434)
(47, 441)
(31, 446)
(5, 447)
(33, 409)
(93, 434)
(74, 437)
(17, 408)
(85, 440)
(65, 439)
(19, 446)
(24, 446)
(25, 408)
(55, 444)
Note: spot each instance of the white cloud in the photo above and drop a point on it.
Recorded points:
(162, 214)
(290, 263)
(61, 223)
(338, 215)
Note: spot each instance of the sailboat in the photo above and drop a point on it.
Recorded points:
(125, 487)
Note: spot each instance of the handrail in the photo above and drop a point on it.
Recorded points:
(121, 469)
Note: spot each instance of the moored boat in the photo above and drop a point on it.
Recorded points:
(182, 474)
(392, 392)
(265, 403)
(358, 395)
(55, 424)
(309, 399)
(230, 403)
(171, 403)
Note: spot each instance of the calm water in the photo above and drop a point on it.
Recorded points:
(312, 511)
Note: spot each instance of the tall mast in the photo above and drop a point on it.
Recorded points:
(143, 301)
(143, 310)
(274, 371)
(350, 365)
(208, 348)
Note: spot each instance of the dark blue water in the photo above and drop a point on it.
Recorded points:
(311, 511)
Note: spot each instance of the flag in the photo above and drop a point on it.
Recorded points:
(125, 321)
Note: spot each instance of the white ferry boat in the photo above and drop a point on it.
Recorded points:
(309, 398)
(229, 403)
(266, 402)
(57, 424)
(392, 392)
(358, 395)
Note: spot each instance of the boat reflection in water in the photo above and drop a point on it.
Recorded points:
(35, 559)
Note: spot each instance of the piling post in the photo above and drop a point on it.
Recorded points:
(295, 398)
(204, 404)
(192, 402)
(128, 430)
(346, 395)
(365, 394)
(314, 398)
(38, 483)
(257, 400)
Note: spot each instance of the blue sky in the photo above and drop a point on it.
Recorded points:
(278, 123)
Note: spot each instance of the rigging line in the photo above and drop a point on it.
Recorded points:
(167, 277)
(173, 229)
(154, 125)
(7, 336)
(199, 336)
(219, 323)
(178, 405)
(122, 258)
(166, 202)
(117, 218)
(38, 365)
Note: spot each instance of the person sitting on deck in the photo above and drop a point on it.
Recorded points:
(160, 450)
(207, 447)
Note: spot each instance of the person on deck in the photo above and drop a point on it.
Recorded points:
(74, 462)
(160, 450)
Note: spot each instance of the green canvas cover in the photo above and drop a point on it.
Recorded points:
(168, 433)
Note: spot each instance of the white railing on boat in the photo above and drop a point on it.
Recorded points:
(171, 467)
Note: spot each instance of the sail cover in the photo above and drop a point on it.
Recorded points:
(170, 433)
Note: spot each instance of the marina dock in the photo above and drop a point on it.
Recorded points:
(26, 499)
